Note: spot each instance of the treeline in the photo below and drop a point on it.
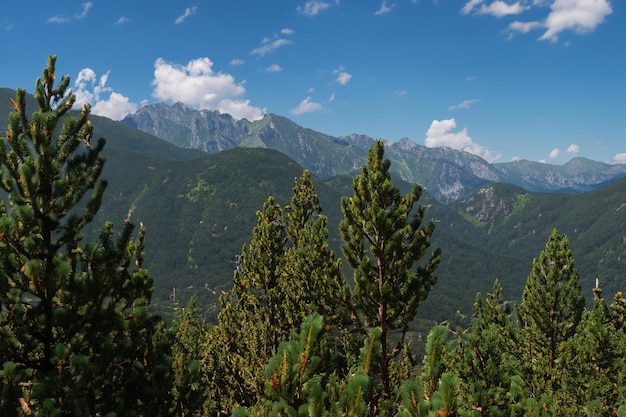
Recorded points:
(292, 338)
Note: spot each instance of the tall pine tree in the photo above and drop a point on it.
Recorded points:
(311, 276)
(284, 274)
(384, 238)
(548, 315)
(75, 338)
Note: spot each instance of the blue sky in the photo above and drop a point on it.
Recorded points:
(542, 80)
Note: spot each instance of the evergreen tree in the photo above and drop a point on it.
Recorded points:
(485, 356)
(285, 274)
(434, 363)
(311, 277)
(595, 359)
(188, 338)
(384, 238)
(293, 383)
(250, 324)
(75, 338)
(618, 311)
(548, 315)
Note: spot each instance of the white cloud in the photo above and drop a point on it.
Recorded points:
(440, 133)
(273, 68)
(122, 20)
(554, 153)
(116, 107)
(237, 61)
(500, 8)
(524, 27)
(573, 148)
(516, 158)
(104, 101)
(620, 158)
(189, 11)
(400, 92)
(86, 7)
(313, 8)
(270, 46)
(384, 8)
(464, 104)
(470, 6)
(306, 106)
(582, 16)
(497, 8)
(77, 16)
(59, 19)
(287, 31)
(196, 85)
(342, 76)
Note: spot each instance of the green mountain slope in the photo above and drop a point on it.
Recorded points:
(510, 220)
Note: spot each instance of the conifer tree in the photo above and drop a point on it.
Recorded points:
(434, 363)
(311, 276)
(548, 315)
(188, 344)
(595, 360)
(286, 273)
(487, 355)
(75, 338)
(384, 238)
(250, 324)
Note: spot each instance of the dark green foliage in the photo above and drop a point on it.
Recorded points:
(312, 278)
(188, 334)
(384, 238)
(412, 402)
(254, 300)
(75, 338)
(551, 308)
(594, 357)
(293, 383)
(285, 274)
(486, 352)
(434, 362)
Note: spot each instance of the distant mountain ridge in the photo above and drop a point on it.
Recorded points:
(446, 173)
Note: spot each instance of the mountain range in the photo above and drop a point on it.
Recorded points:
(199, 207)
(447, 174)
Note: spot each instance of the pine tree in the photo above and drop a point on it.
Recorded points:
(486, 355)
(75, 338)
(595, 360)
(250, 324)
(384, 238)
(286, 273)
(188, 337)
(311, 276)
(434, 363)
(548, 315)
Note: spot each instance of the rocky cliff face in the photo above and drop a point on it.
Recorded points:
(207, 130)
(447, 174)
